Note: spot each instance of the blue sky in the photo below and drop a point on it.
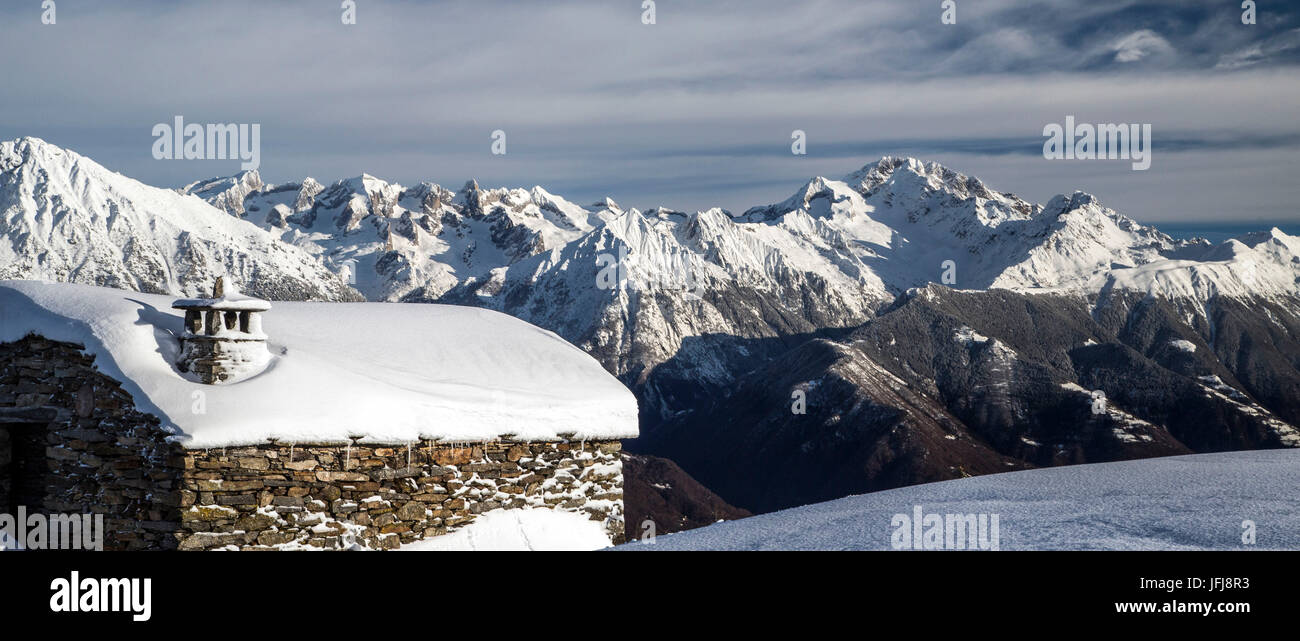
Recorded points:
(691, 112)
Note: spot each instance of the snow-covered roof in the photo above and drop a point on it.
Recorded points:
(385, 372)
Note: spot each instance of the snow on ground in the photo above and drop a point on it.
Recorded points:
(388, 373)
(516, 530)
(1181, 502)
(968, 336)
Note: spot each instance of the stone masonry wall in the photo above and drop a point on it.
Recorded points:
(105, 457)
(329, 496)
(102, 456)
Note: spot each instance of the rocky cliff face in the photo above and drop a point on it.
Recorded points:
(950, 383)
(662, 498)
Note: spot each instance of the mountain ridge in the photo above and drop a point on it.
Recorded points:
(939, 327)
(881, 212)
(67, 218)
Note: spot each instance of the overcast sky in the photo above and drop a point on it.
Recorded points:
(692, 112)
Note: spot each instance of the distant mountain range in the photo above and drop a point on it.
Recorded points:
(935, 328)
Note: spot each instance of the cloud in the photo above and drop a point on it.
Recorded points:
(1282, 45)
(692, 112)
(1139, 45)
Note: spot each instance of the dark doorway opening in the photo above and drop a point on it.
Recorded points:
(23, 468)
(6, 458)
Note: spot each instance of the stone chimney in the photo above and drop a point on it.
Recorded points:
(223, 340)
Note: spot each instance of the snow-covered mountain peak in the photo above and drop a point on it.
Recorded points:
(227, 193)
(906, 173)
(876, 173)
(932, 195)
(468, 195)
(38, 154)
(819, 197)
(64, 217)
(1274, 237)
(13, 152)
(250, 179)
(1081, 215)
(1062, 203)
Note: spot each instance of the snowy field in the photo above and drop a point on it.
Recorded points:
(520, 530)
(1174, 503)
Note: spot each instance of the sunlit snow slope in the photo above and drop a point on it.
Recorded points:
(1180, 502)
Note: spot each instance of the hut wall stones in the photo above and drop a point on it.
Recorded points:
(330, 496)
(100, 455)
(105, 457)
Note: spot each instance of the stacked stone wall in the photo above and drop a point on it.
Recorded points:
(105, 457)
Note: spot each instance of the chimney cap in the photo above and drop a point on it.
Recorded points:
(224, 298)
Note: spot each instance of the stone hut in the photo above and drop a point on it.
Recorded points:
(343, 426)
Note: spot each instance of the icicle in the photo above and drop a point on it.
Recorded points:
(408, 455)
(347, 455)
